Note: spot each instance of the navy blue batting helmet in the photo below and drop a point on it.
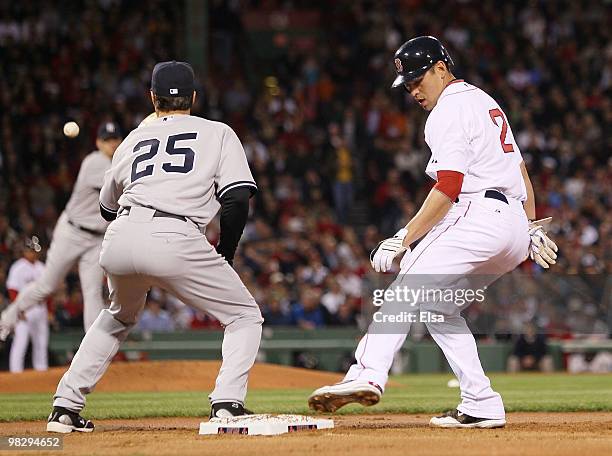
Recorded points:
(418, 55)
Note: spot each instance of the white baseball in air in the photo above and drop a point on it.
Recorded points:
(453, 383)
(71, 129)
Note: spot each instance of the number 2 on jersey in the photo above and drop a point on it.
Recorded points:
(507, 147)
(171, 149)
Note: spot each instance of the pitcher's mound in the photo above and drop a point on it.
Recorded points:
(169, 376)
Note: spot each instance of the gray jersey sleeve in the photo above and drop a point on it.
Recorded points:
(233, 170)
(82, 208)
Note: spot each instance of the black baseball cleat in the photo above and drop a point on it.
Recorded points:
(457, 419)
(65, 421)
(228, 410)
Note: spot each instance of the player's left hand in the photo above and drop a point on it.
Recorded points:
(542, 249)
(385, 252)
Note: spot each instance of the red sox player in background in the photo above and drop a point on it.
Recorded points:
(475, 221)
(33, 324)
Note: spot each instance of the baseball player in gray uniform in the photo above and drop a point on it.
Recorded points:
(77, 238)
(168, 179)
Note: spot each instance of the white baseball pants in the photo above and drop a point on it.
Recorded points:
(36, 328)
(478, 236)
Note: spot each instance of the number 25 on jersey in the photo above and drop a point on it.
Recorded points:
(171, 149)
(494, 114)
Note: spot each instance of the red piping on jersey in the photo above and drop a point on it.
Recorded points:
(455, 80)
(436, 238)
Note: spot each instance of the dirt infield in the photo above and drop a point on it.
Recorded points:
(526, 434)
(169, 376)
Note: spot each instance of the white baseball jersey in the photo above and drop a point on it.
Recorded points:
(468, 132)
(479, 237)
(36, 324)
(180, 164)
(23, 272)
(83, 207)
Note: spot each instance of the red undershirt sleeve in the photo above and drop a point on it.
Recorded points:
(449, 183)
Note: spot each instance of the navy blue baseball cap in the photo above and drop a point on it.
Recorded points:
(173, 79)
(108, 130)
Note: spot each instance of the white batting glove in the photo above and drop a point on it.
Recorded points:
(383, 255)
(542, 249)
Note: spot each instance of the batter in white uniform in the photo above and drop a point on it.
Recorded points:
(168, 179)
(77, 238)
(475, 227)
(34, 323)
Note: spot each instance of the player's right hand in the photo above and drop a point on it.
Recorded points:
(385, 252)
(542, 249)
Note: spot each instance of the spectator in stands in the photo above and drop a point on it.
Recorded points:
(307, 312)
(530, 352)
(69, 308)
(341, 169)
(345, 316)
(333, 297)
(274, 315)
(154, 318)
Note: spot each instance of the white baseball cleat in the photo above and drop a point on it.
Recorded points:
(8, 320)
(331, 398)
(457, 419)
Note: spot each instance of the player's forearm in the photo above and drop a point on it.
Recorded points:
(435, 207)
(234, 214)
(529, 204)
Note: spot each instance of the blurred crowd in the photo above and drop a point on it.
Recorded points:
(338, 156)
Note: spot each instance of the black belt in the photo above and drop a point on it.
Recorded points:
(494, 194)
(87, 230)
(159, 214)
